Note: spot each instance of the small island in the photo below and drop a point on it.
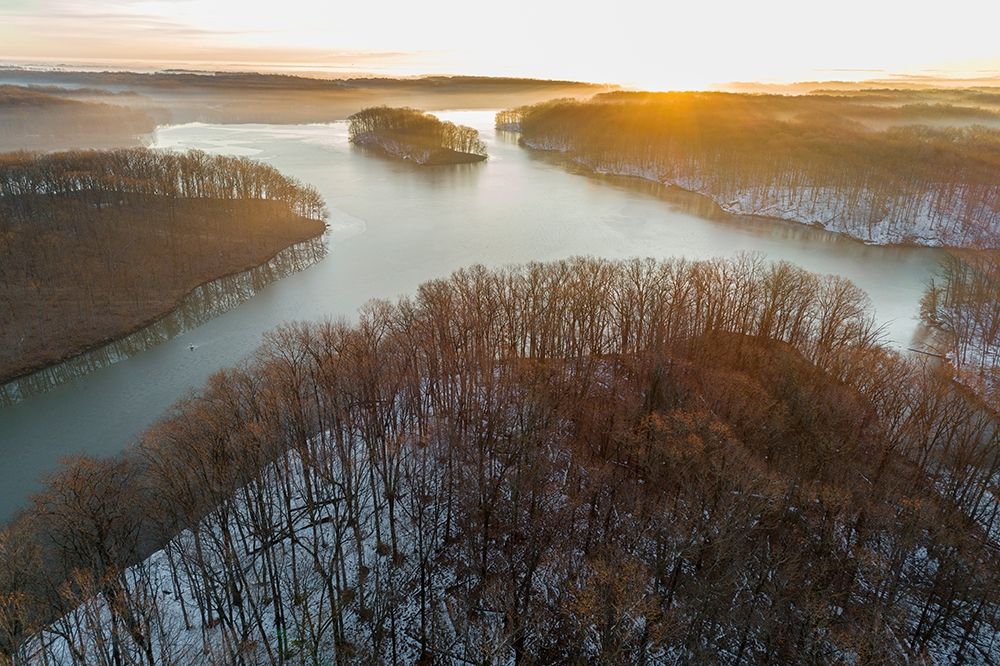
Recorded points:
(412, 135)
(95, 245)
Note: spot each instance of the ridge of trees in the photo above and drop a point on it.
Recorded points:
(410, 134)
(96, 244)
(232, 97)
(808, 158)
(985, 96)
(580, 461)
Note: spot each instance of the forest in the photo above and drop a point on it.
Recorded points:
(963, 304)
(96, 244)
(873, 165)
(46, 119)
(409, 134)
(584, 461)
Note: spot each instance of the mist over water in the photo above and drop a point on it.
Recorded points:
(393, 226)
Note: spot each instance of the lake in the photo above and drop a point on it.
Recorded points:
(393, 226)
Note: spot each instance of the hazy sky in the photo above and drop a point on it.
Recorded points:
(656, 44)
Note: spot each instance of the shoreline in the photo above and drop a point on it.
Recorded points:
(16, 387)
(600, 171)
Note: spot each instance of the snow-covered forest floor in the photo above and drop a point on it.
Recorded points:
(861, 214)
(577, 462)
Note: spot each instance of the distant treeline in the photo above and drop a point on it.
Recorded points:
(984, 97)
(95, 244)
(414, 135)
(881, 106)
(806, 158)
(180, 96)
(33, 119)
(577, 462)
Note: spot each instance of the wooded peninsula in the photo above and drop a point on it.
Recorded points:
(409, 134)
(881, 166)
(585, 461)
(96, 244)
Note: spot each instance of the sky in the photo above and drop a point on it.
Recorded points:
(649, 44)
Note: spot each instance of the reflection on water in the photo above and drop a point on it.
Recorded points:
(203, 303)
(504, 136)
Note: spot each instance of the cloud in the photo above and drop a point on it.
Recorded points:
(95, 20)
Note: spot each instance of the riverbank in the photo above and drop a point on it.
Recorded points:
(826, 218)
(445, 156)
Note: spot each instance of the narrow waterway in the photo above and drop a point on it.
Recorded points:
(393, 226)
